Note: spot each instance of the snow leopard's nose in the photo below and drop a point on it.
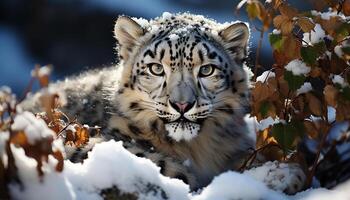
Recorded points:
(182, 107)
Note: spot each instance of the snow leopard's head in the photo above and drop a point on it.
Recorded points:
(181, 72)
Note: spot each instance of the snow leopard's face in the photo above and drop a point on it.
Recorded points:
(184, 72)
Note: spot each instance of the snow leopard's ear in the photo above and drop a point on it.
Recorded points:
(127, 32)
(235, 38)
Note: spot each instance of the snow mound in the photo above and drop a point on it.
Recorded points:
(232, 185)
(101, 170)
(140, 177)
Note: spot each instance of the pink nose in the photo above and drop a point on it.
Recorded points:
(182, 106)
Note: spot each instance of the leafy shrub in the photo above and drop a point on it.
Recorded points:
(310, 77)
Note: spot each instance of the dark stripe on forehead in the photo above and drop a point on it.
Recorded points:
(206, 47)
(148, 52)
(200, 55)
(161, 35)
(156, 45)
(212, 55)
(161, 55)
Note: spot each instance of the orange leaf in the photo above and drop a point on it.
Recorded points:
(331, 95)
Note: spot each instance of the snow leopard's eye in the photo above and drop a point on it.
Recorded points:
(206, 70)
(156, 69)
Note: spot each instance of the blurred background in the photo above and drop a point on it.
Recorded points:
(74, 35)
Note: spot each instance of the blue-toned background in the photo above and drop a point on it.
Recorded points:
(74, 35)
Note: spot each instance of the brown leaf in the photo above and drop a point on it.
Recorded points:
(311, 129)
(305, 24)
(346, 7)
(288, 11)
(19, 138)
(279, 20)
(59, 157)
(292, 48)
(262, 91)
(331, 95)
(315, 72)
(331, 25)
(315, 104)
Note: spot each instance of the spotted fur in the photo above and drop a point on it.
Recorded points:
(177, 96)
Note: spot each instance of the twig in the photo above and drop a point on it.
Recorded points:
(27, 90)
(257, 65)
(314, 165)
(65, 127)
(252, 156)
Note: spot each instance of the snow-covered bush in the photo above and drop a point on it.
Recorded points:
(308, 80)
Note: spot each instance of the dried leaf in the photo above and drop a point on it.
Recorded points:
(305, 24)
(315, 104)
(262, 91)
(331, 95)
(311, 129)
(284, 24)
(346, 7)
(288, 11)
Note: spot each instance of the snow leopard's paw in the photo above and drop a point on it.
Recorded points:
(285, 177)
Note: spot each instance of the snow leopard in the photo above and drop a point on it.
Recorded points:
(177, 96)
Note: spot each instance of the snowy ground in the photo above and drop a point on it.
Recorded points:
(131, 174)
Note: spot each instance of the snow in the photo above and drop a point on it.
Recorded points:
(34, 128)
(276, 32)
(265, 76)
(331, 112)
(306, 87)
(4, 136)
(117, 168)
(338, 51)
(120, 168)
(174, 37)
(141, 21)
(42, 71)
(337, 79)
(297, 67)
(315, 36)
(232, 185)
(166, 15)
(328, 15)
(277, 175)
(265, 123)
(340, 192)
